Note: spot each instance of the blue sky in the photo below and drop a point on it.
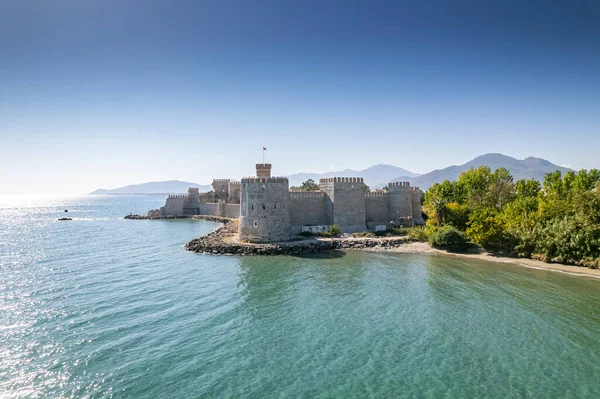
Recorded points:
(104, 94)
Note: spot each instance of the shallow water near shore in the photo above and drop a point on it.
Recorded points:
(104, 307)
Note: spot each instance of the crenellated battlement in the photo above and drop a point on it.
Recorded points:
(376, 194)
(399, 183)
(270, 211)
(265, 180)
(306, 194)
(263, 169)
(399, 186)
(341, 180)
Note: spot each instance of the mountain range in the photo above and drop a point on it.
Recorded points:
(158, 187)
(528, 168)
(377, 175)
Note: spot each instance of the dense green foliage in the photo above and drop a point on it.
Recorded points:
(556, 221)
(308, 185)
(448, 237)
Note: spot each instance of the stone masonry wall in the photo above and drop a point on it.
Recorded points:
(376, 209)
(349, 204)
(232, 211)
(233, 192)
(264, 209)
(415, 196)
(400, 203)
(326, 186)
(220, 188)
(211, 209)
(174, 205)
(307, 208)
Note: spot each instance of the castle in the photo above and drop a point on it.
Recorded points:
(268, 211)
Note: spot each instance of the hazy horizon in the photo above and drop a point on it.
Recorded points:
(110, 94)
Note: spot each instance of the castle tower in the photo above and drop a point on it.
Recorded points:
(400, 203)
(345, 205)
(415, 196)
(264, 209)
(233, 192)
(191, 205)
(263, 170)
(220, 188)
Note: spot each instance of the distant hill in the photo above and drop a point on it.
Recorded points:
(528, 168)
(160, 187)
(373, 176)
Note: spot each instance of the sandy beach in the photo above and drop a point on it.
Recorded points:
(422, 247)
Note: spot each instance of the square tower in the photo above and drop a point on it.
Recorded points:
(263, 170)
(345, 203)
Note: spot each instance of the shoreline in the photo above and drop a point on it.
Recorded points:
(223, 241)
(424, 248)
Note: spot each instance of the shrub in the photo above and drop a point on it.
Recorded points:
(399, 231)
(306, 234)
(334, 230)
(449, 237)
(418, 233)
(363, 234)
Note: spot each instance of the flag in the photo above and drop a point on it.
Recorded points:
(264, 149)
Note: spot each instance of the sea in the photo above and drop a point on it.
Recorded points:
(103, 307)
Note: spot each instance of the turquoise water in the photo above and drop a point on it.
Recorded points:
(103, 307)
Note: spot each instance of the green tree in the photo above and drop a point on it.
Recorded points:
(527, 188)
(309, 185)
(487, 229)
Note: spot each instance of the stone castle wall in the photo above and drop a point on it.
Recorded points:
(347, 196)
(415, 196)
(376, 209)
(211, 209)
(220, 189)
(174, 205)
(400, 203)
(233, 192)
(269, 211)
(264, 211)
(307, 208)
(232, 211)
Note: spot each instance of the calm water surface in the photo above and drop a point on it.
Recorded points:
(103, 307)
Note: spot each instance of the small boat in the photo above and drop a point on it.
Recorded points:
(65, 219)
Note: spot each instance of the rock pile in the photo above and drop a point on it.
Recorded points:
(145, 217)
(222, 242)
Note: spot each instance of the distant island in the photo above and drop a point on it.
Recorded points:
(376, 176)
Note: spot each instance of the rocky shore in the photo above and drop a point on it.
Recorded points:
(223, 241)
(208, 218)
(146, 217)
